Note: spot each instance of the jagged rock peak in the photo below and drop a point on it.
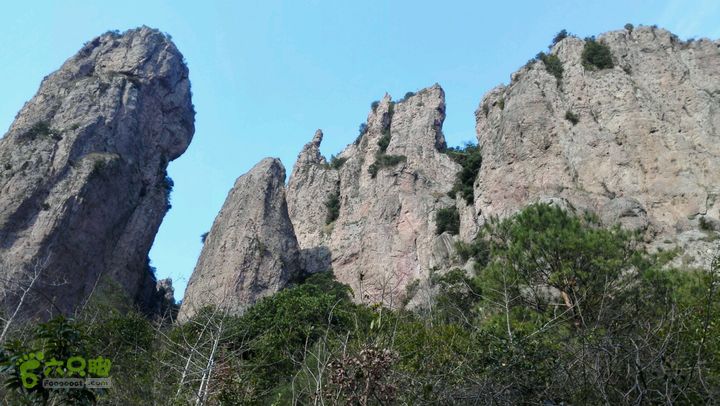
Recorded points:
(371, 217)
(83, 186)
(251, 250)
(317, 138)
(310, 153)
(425, 108)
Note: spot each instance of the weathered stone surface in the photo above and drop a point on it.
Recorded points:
(627, 212)
(644, 152)
(384, 237)
(251, 250)
(82, 173)
(311, 183)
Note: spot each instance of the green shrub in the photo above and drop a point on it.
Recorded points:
(629, 27)
(362, 129)
(559, 37)
(384, 141)
(374, 105)
(168, 184)
(384, 161)
(407, 96)
(278, 329)
(470, 160)
(332, 203)
(203, 237)
(336, 162)
(596, 55)
(552, 64)
(571, 117)
(39, 129)
(705, 225)
(447, 219)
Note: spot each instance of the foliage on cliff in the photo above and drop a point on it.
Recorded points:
(560, 310)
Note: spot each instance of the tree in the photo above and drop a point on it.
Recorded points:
(596, 55)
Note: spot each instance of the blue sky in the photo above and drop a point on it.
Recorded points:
(265, 75)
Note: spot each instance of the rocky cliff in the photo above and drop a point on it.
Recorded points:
(251, 250)
(623, 126)
(387, 187)
(635, 143)
(83, 186)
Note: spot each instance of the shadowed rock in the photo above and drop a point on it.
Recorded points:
(83, 186)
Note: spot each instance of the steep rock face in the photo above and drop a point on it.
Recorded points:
(311, 184)
(83, 186)
(384, 237)
(644, 152)
(251, 250)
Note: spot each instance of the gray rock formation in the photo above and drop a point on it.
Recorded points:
(251, 250)
(311, 183)
(644, 152)
(384, 235)
(633, 144)
(642, 155)
(83, 186)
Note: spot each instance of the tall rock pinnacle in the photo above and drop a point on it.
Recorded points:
(251, 250)
(83, 184)
(370, 216)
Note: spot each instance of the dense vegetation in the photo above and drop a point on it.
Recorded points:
(558, 311)
(470, 160)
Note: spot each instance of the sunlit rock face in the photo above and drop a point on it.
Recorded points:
(383, 238)
(251, 250)
(643, 153)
